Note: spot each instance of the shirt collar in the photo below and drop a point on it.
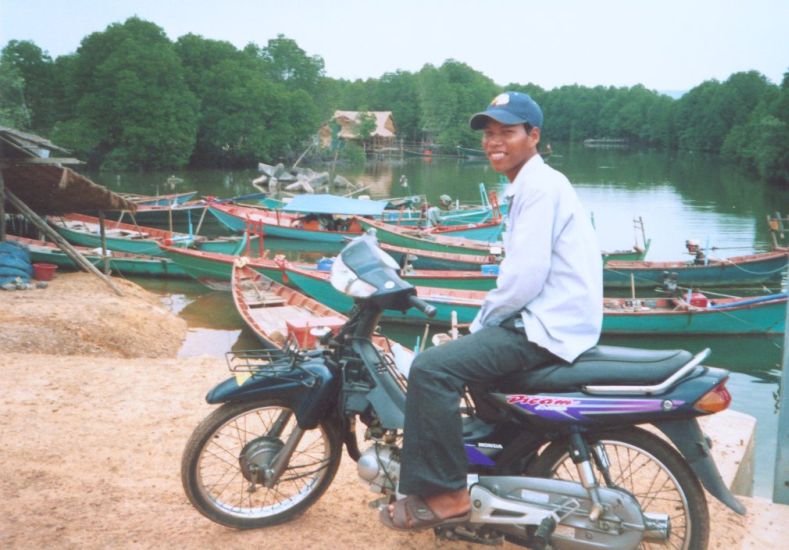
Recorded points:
(533, 164)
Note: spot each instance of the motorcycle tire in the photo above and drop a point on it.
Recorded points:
(221, 460)
(650, 469)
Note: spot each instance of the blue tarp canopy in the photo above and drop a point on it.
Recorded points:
(332, 204)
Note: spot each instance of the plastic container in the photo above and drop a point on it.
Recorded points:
(301, 327)
(697, 299)
(490, 269)
(44, 272)
(324, 264)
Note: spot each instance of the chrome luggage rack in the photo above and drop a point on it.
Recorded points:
(261, 360)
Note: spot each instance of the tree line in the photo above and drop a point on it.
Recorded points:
(130, 98)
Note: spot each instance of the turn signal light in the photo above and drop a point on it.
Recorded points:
(715, 400)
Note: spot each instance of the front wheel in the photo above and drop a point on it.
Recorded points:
(652, 471)
(223, 460)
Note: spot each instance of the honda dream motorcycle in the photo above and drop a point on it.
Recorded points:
(556, 455)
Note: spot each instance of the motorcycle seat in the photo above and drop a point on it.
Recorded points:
(600, 366)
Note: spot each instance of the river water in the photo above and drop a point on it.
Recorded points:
(678, 196)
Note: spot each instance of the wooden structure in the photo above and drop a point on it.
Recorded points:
(348, 121)
(33, 184)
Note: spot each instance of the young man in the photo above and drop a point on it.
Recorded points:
(546, 307)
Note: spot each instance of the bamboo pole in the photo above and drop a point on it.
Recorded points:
(103, 235)
(2, 206)
(298, 160)
(202, 217)
(70, 251)
(781, 479)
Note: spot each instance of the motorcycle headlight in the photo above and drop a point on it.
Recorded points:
(347, 282)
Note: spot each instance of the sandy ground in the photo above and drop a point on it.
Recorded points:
(93, 429)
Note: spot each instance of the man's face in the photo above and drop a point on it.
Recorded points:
(507, 147)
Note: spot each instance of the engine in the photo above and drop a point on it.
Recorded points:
(379, 466)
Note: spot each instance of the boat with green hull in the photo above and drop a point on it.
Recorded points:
(659, 316)
(317, 285)
(119, 262)
(294, 223)
(214, 270)
(427, 259)
(398, 236)
(159, 200)
(192, 217)
(662, 316)
(135, 239)
(753, 269)
(421, 241)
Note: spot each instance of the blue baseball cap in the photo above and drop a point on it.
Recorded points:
(509, 108)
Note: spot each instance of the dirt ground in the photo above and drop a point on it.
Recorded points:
(95, 414)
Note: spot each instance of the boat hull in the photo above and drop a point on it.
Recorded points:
(766, 317)
(237, 220)
(127, 265)
(737, 271)
(213, 268)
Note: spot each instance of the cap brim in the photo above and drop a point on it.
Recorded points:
(479, 120)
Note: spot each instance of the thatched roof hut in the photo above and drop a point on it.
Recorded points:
(43, 183)
(348, 121)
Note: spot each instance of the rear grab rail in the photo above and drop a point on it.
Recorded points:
(651, 390)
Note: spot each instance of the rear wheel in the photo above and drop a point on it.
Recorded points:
(652, 471)
(224, 464)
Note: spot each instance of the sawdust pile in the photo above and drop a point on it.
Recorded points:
(78, 314)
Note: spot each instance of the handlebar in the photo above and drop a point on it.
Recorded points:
(422, 306)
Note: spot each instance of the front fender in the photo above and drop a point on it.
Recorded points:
(309, 389)
(687, 436)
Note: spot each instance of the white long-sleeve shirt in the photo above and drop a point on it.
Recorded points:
(552, 270)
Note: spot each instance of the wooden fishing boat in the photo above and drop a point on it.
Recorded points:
(121, 263)
(159, 200)
(274, 312)
(406, 238)
(427, 259)
(317, 285)
(85, 231)
(727, 272)
(487, 232)
(730, 272)
(463, 215)
(192, 216)
(215, 270)
(315, 218)
(401, 237)
(757, 315)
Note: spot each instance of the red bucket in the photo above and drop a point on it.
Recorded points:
(44, 272)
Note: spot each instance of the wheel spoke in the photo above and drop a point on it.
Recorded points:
(648, 480)
(250, 440)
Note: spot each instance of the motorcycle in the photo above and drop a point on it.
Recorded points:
(557, 456)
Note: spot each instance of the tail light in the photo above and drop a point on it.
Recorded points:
(715, 400)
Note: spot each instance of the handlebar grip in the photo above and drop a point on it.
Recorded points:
(422, 306)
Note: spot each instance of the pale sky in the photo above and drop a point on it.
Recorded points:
(662, 44)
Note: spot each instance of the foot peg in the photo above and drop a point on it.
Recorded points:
(542, 536)
(463, 533)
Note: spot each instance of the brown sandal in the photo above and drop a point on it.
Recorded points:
(413, 514)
